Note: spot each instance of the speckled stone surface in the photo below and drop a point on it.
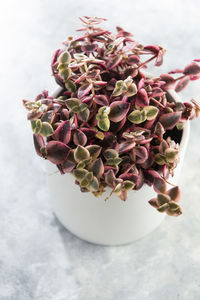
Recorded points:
(39, 259)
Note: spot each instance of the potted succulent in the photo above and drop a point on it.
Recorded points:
(114, 132)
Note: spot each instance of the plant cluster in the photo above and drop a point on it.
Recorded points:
(111, 125)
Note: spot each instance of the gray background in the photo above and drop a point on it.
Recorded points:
(38, 258)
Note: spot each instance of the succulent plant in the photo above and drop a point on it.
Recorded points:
(111, 126)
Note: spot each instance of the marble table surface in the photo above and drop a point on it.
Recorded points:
(41, 260)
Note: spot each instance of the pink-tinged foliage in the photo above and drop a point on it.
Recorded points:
(169, 120)
(79, 138)
(169, 81)
(57, 152)
(38, 143)
(112, 125)
(142, 98)
(63, 132)
(114, 62)
(192, 69)
(182, 84)
(102, 100)
(84, 90)
(118, 111)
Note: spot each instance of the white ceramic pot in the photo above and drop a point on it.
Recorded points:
(113, 222)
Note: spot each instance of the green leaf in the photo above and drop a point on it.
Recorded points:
(64, 58)
(70, 86)
(160, 159)
(135, 117)
(84, 115)
(132, 90)
(171, 155)
(120, 88)
(163, 207)
(151, 112)
(94, 185)
(72, 102)
(118, 188)
(104, 124)
(97, 167)
(81, 153)
(110, 153)
(94, 150)
(114, 161)
(47, 129)
(79, 173)
(128, 185)
(36, 126)
(162, 199)
(65, 73)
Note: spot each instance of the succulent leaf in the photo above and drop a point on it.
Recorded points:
(142, 98)
(81, 153)
(57, 152)
(46, 130)
(151, 112)
(169, 120)
(64, 58)
(118, 110)
(63, 132)
(38, 143)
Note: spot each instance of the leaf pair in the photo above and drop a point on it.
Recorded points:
(168, 202)
(123, 188)
(147, 113)
(112, 157)
(103, 119)
(86, 179)
(43, 128)
(63, 70)
(126, 87)
(81, 109)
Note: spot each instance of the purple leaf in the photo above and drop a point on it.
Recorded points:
(159, 59)
(79, 138)
(126, 146)
(169, 81)
(63, 132)
(133, 59)
(114, 62)
(57, 152)
(110, 178)
(129, 176)
(140, 180)
(169, 120)
(142, 98)
(150, 176)
(141, 84)
(84, 90)
(182, 83)
(66, 167)
(175, 71)
(157, 92)
(97, 167)
(153, 202)
(89, 47)
(159, 185)
(152, 49)
(174, 193)
(101, 100)
(118, 110)
(38, 143)
(141, 154)
(192, 69)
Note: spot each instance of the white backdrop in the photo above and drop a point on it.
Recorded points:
(38, 258)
